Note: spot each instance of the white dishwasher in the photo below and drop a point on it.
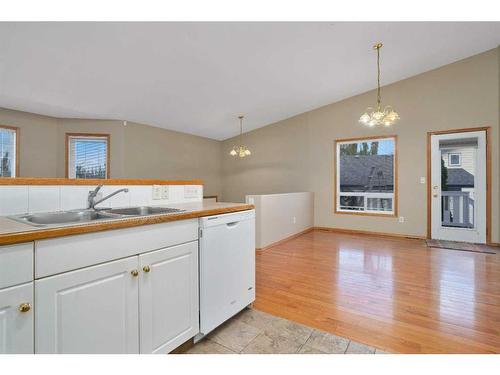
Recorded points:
(227, 267)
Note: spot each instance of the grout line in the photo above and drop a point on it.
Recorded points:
(252, 340)
(347, 348)
(224, 346)
(305, 342)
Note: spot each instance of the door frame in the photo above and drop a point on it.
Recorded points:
(486, 129)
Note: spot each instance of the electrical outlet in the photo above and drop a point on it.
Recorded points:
(156, 192)
(190, 191)
(401, 219)
(422, 180)
(294, 220)
(165, 190)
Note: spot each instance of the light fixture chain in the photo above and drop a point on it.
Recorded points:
(378, 79)
(241, 130)
(379, 116)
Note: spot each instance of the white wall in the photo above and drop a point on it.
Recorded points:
(278, 216)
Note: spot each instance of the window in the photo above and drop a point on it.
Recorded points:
(87, 155)
(9, 151)
(455, 160)
(365, 176)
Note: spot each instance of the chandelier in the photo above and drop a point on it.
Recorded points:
(378, 116)
(241, 151)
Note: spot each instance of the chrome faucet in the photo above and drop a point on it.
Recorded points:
(92, 194)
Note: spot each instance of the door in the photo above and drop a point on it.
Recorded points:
(91, 310)
(16, 320)
(169, 297)
(458, 186)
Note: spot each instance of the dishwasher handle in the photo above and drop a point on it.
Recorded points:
(232, 224)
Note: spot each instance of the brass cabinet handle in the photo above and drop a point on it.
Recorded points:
(134, 273)
(24, 307)
(146, 268)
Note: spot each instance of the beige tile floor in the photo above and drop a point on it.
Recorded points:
(255, 332)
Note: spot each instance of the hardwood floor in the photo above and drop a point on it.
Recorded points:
(393, 294)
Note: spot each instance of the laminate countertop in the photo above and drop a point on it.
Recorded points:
(12, 232)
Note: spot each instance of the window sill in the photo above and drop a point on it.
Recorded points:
(362, 213)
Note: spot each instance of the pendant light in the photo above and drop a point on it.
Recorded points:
(379, 116)
(241, 150)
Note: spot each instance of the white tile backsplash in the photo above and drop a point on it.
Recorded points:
(13, 200)
(119, 200)
(22, 199)
(74, 197)
(141, 195)
(44, 198)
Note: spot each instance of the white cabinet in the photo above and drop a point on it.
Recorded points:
(168, 297)
(16, 319)
(100, 309)
(92, 310)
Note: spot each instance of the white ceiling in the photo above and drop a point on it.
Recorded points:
(197, 77)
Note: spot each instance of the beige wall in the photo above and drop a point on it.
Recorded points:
(297, 154)
(38, 136)
(136, 151)
(172, 155)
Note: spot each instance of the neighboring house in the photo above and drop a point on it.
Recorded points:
(460, 164)
(459, 157)
(366, 173)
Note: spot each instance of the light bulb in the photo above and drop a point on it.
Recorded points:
(393, 115)
(365, 118)
(233, 152)
(247, 152)
(378, 115)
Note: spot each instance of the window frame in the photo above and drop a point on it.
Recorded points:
(459, 154)
(68, 136)
(336, 176)
(17, 150)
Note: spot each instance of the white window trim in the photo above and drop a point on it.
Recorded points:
(338, 193)
(71, 165)
(459, 159)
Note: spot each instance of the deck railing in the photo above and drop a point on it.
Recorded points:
(457, 209)
(367, 202)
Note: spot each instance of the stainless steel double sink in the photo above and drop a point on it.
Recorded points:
(44, 219)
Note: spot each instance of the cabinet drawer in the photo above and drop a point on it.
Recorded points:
(69, 253)
(16, 264)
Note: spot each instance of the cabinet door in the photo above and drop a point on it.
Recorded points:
(92, 310)
(16, 320)
(169, 297)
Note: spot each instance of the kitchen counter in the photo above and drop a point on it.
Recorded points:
(12, 232)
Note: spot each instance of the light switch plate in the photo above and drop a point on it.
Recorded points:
(156, 192)
(422, 180)
(165, 190)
